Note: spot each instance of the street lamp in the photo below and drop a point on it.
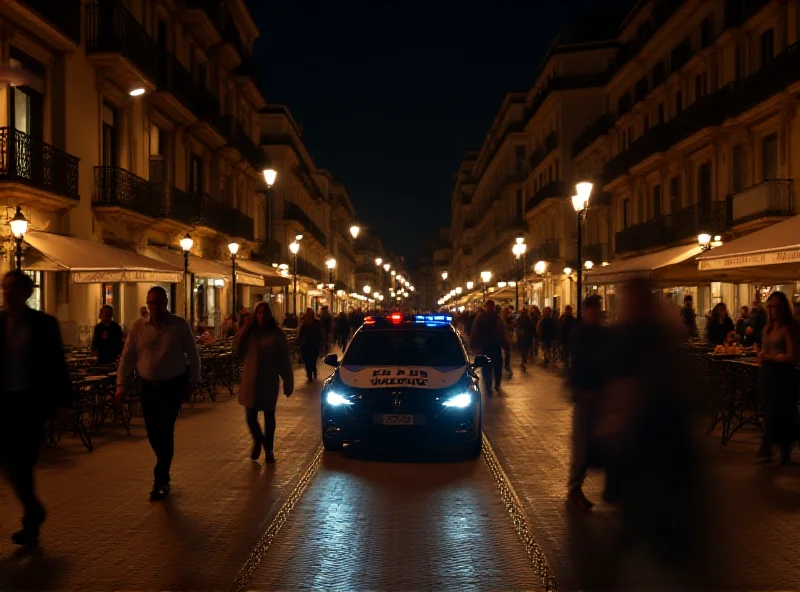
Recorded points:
(485, 277)
(331, 265)
(233, 248)
(444, 276)
(378, 261)
(294, 248)
(470, 285)
(367, 289)
(704, 239)
(501, 284)
(19, 226)
(354, 230)
(270, 175)
(186, 246)
(588, 265)
(581, 204)
(387, 267)
(519, 249)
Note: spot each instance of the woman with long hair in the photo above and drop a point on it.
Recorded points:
(777, 379)
(720, 325)
(311, 337)
(267, 360)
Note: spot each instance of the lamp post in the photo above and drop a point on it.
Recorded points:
(519, 249)
(331, 265)
(485, 277)
(354, 230)
(19, 226)
(186, 246)
(294, 248)
(233, 248)
(581, 204)
(270, 175)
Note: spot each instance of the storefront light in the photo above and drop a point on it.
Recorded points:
(470, 285)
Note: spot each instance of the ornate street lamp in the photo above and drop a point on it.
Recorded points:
(186, 246)
(485, 277)
(19, 226)
(233, 248)
(354, 230)
(581, 204)
(270, 175)
(519, 249)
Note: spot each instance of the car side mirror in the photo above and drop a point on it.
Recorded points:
(480, 361)
(331, 360)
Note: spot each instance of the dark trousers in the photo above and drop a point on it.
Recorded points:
(22, 431)
(265, 437)
(161, 403)
(493, 370)
(309, 354)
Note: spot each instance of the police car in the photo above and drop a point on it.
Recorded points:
(403, 376)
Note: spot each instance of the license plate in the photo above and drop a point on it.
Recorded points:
(397, 419)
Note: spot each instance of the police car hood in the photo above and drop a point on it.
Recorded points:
(424, 377)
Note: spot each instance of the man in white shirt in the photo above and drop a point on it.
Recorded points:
(162, 349)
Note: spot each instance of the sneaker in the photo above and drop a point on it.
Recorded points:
(269, 456)
(25, 538)
(256, 452)
(578, 500)
(159, 492)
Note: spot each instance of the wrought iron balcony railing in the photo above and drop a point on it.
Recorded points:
(24, 159)
(600, 127)
(547, 251)
(552, 189)
(596, 253)
(239, 139)
(224, 218)
(222, 20)
(114, 186)
(291, 211)
(688, 222)
(308, 269)
(176, 79)
(63, 14)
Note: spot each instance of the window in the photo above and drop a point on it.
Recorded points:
(626, 213)
(705, 33)
(405, 348)
(767, 47)
(675, 194)
(109, 136)
(659, 73)
(739, 168)
(700, 86)
(704, 184)
(678, 102)
(195, 174)
(520, 205)
(35, 301)
(770, 153)
(656, 201)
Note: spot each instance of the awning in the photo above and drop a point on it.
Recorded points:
(200, 267)
(673, 266)
(270, 275)
(91, 262)
(770, 254)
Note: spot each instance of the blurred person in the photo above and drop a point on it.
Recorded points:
(587, 376)
(228, 327)
(526, 331)
(508, 318)
(267, 361)
(536, 316)
(341, 330)
(741, 323)
(758, 320)
(689, 316)
(29, 342)
(720, 325)
(244, 318)
(548, 331)
(566, 324)
(310, 339)
(489, 337)
(143, 313)
(356, 320)
(777, 380)
(796, 312)
(654, 473)
(163, 351)
(107, 338)
(327, 326)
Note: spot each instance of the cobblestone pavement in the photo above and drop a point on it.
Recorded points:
(103, 533)
(757, 526)
(365, 523)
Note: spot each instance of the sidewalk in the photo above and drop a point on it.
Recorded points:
(103, 533)
(758, 533)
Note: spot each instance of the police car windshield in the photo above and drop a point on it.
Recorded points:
(405, 348)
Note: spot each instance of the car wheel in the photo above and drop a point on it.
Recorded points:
(332, 445)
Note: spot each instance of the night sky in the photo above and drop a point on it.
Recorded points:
(391, 94)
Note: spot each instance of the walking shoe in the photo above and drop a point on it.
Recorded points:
(269, 456)
(159, 492)
(256, 452)
(25, 538)
(578, 500)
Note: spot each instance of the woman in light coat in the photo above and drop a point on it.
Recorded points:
(265, 350)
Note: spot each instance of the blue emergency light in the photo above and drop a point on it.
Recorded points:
(433, 320)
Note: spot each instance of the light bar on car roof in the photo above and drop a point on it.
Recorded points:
(433, 320)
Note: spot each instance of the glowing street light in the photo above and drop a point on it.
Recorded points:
(354, 230)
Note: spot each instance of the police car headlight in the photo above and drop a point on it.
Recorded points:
(459, 401)
(335, 400)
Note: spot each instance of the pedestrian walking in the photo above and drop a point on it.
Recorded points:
(163, 351)
(342, 330)
(267, 360)
(107, 339)
(310, 339)
(508, 318)
(777, 380)
(587, 377)
(526, 331)
(566, 324)
(29, 342)
(548, 331)
(327, 326)
(489, 337)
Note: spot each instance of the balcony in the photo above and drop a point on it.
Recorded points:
(772, 198)
(213, 23)
(237, 138)
(549, 250)
(653, 233)
(563, 83)
(291, 211)
(117, 188)
(537, 156)
(596, 253)
(597, 129)
(173, 203)
(553, 189)
(34, 164)
(224, 218)
(737, 12)
(698, 218)
(179, 97)
(120, 45)
(58, 21)
(308, 269)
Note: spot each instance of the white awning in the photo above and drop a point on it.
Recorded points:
(200, 267)
(270, 275)
(772, 253)
(91, 262)
(674, 265)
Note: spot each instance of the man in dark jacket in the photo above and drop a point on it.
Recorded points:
(107, 340)
(566, 325)
(29, 342)
(489, 337)
(327, 326)
(548, 332)
(588, 379)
